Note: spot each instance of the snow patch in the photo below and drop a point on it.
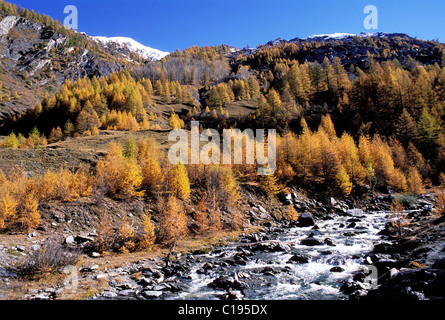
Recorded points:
(134, 46)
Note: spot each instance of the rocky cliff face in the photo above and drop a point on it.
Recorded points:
(35, 59)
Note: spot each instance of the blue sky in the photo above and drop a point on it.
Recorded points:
(178, 24)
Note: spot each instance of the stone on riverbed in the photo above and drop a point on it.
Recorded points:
(310, 241)
(305, 220)
(225, 282)
(298, 258)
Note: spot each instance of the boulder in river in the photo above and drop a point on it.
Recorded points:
(226, 282)
(336, 269)
(329, 242)
(310, 241)
(305, 220)
(151, 294)
(270, 247)
(298, 258)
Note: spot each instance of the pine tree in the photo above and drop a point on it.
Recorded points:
(406, 128)
(178, 181)
(148, 237)
(414, 181)
(55, 135)
(173, 224)
(87, 120)
(130, 148)
(152, 175)
(349, 154)
(11, 141)
(343, 181)
(429, 131)
(175, 122)
(254, 86)
(270, 186)
(328, 126)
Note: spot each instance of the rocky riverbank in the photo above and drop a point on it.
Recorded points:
(411, 268)
(321, 256)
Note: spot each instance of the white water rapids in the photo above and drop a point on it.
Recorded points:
(270, 275)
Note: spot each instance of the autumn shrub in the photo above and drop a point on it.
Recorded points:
(439, 208)
(64, 185)
(147, 236)
(52, 257)
(87, 120)
(18, 202)
(105, 238)
(270, 186)
(407, 200)
(122, 121)
(130, 149)
(175, 122)
(117, 175)
(149, 158)
(130, 179)
(55, 135)
(11, 141)
(236, 218)
(126, 236)
(8, 207)
(222, 179)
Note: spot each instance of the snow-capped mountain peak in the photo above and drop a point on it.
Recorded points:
(134, 46)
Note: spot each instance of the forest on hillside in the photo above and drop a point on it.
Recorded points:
(346, 128)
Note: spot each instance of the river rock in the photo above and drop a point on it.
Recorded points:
(226, 282)
(151, 294)
(269, 271)
(271, 247)
(145, 282)
(305, 220)
(329, 242)
(310, 241)
(35, 247)
(127, 292)
(336, 269)
(352, 225)
(109, 294)
(383, 248)
(298, 258)
(230, 295)
(352, 287)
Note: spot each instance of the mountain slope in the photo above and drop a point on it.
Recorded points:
(352, 49)
(36, 59)
(133, 46)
